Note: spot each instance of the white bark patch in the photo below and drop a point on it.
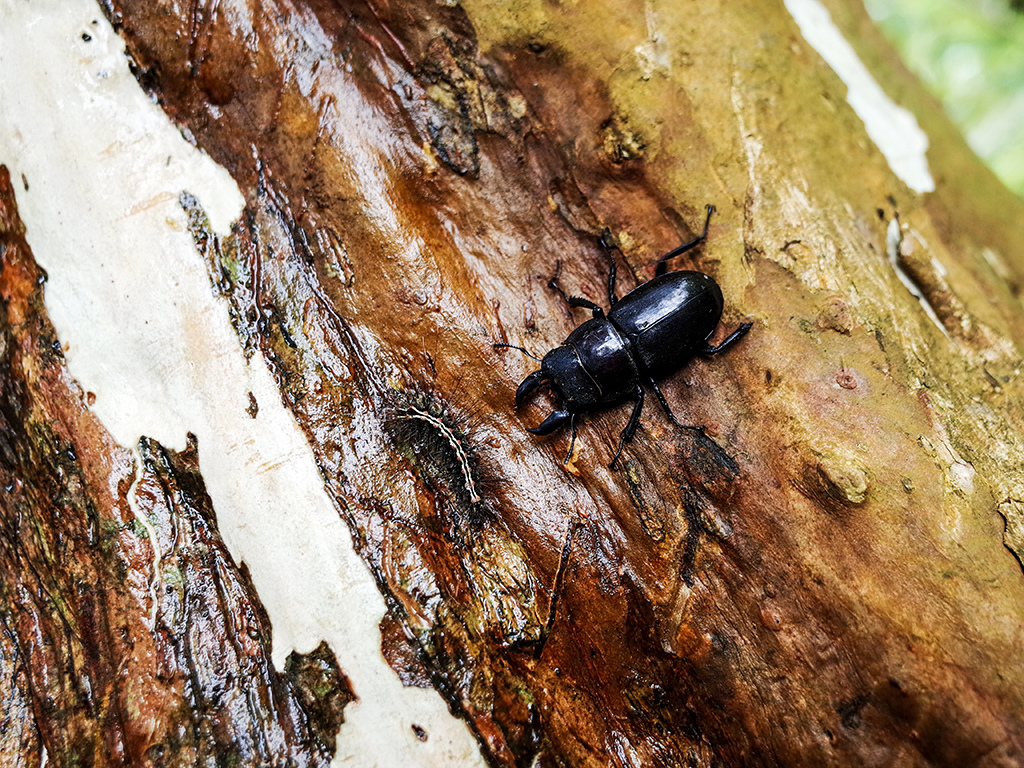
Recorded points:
(893, 246)
(156, 580)
(893, 129)
(131, 301)
(652, 55)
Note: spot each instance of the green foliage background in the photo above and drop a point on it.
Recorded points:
(971, 54)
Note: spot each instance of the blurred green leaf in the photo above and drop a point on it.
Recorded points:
(971, 54)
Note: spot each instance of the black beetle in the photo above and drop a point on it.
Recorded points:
(652, 331)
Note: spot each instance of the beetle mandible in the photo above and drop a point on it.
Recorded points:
(652, 331)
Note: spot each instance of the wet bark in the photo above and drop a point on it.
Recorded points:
(129, 636)
(830, 574)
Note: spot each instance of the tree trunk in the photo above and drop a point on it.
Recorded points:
(828, 573)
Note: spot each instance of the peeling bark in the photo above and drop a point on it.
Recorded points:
(741, 598)
(826, 577)
(130, 637)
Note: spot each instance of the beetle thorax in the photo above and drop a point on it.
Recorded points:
(594, 366)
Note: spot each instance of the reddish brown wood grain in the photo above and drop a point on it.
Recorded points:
(129, 635)
(785, 591)
(821, 579)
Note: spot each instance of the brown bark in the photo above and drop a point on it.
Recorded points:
(822, 578)
(130, 636)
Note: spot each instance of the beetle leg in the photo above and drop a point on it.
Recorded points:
(575, 301)
(609, 245)
(663, 401)
(659, 269)
(731, 339)
(554, 420)
(572, 440)
(665, 406)
(530, 385)
(630, 430)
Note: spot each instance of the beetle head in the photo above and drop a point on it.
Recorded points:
(570, 383)
(556, 418)
(569, 379)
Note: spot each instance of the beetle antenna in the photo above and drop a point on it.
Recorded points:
(528, 353)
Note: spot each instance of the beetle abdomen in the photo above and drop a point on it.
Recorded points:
(668, 319)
